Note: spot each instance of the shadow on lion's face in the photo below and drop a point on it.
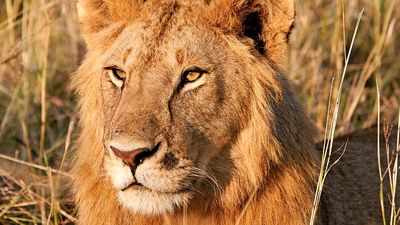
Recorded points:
(175, 100)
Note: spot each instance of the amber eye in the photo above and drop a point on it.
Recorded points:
(117, 76)
(193, 75)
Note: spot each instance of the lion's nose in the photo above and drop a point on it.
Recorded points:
(135, 157)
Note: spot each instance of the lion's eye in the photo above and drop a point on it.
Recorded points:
(192, 75)
(117, 76)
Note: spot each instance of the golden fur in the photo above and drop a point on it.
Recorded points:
(242, 128)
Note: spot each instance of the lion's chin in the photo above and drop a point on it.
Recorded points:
(141, 200)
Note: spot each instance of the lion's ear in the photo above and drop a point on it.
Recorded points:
(98, 15)
(267, 22)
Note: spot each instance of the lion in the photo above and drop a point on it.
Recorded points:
(187, 117)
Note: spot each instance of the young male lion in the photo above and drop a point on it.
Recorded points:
(187, 118)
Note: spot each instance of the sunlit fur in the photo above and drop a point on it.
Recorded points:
(271, 163)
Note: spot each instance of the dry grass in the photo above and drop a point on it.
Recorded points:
(40, 46)
(317, 56)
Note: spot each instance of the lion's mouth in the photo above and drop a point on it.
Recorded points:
(139, 186)
(133, 184)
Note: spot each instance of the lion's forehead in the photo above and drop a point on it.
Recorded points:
(165, 36)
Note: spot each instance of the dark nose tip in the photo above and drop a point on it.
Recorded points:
(135, 157)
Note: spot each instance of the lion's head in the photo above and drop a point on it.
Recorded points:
(180, 101)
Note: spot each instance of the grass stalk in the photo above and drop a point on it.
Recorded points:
(393, 188)
(33, 165)
(378, 147)
(327, 151)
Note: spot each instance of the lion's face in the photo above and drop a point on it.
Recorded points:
(173, 97)
(184, 108)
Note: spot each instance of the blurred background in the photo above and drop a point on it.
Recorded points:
(41, 46)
